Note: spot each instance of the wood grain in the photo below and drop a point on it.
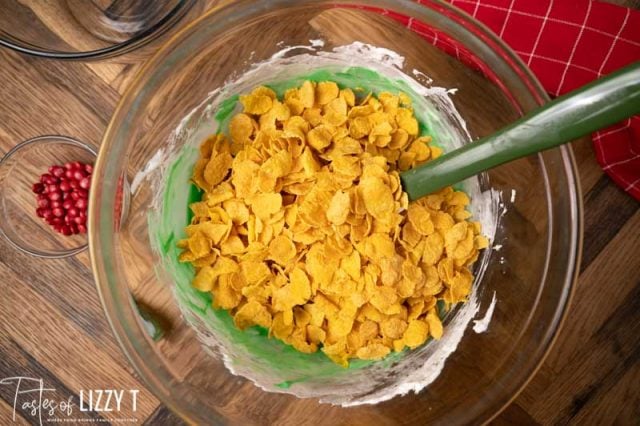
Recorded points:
(53, 326)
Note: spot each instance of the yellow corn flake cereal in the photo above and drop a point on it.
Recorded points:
(282, 250)
(339, 208)
(317, 312)
(303, 228)
(351, 265)
(389, 102)
(377, 196)
(435, 325)
(337, 352)
(252, 313)
(459, 287)
(373, 351)
(398, 345)
(279, 329)
(420, 218)
(481, 242)
(348, 96)
(216, 169)
(404, 99)
(407, 121)
(306, 94)
(256, 104)
(295, 105)
(199, 245)
(464, 248)
(233, 245)
(380, 134)
(416, 333)
(255, 272)
(406, 160)
(391, 270)
(393, 328)
(446, 270)
(384, 299)
(442, 221)
(202, 261)
(399, 140)
(299, 341)
(264, 205)
(264, 91)
(301, 316)
(217, 195)
(313, 116)
(368, 330)
(421, 150)
(225, 296)
(237, 211)
(277, 166)
(309, 162)
(224, 265)
(347, 166)
(326, 91)
(296, 292)
(214, 232)
(435, 152)
(242, 177)
(339, 108)
(359, 127)
(376, 247)
(204, 279)
(241, 128)
(433, 249)
(338, 327)
(320, 137)
(316, 334)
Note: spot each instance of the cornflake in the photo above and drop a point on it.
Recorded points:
(303, 227)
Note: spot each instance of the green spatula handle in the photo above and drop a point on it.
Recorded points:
(583, 111)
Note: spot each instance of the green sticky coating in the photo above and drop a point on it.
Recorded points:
(226, 108)
(195, 195)
(283, 360)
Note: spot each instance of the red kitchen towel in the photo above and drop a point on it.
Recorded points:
(568, 43)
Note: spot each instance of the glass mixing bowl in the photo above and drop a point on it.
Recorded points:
(530, 268)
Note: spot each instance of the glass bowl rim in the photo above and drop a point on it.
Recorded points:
(105, 292)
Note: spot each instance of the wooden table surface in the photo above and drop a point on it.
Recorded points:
(53, 326)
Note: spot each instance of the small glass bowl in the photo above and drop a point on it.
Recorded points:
(20, 168)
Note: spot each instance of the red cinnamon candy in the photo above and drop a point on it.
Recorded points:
(62, 197)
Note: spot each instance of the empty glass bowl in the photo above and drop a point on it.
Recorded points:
(20, 168)
(86, 29)
(530, 271)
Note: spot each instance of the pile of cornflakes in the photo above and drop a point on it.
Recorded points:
(304, 229)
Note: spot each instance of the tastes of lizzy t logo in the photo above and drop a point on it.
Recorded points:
(34, 402)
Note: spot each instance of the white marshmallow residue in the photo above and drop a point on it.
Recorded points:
(422, 76)
(357, 50)
(482, 325)
(152, 164)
